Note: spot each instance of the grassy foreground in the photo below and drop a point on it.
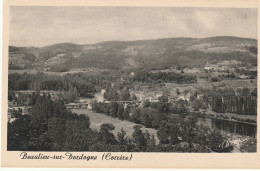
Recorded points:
(97, 119)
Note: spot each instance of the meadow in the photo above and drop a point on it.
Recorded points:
(97, 119)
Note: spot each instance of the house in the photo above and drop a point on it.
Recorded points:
(99, 97)
(11, 120)
(243, 77)
(84, 106)
(139, 96)
(24, 92)
(9, 115)
(23, 109)
(153, 100)
(185, 97)
(210, 67)
(53, 94)
(89, 106)
(70, 106)
(224, 68)
(132, 73)
(253, 69)
(200, 96)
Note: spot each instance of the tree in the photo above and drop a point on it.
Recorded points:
(56, 127)
(126, 113)
(146, 104)
(245, 92)
(150, 141)
(78, 135)
(178, 91)
(186, 91)
(215, 79)
(113, 108)
(125, 94)
(215, 139)
(121, 136)
(43, 108)
(120, 111)
(162, 135)
(164, 105)
(146, 120)
(133, 97)
(27, 134)
(136, 116)
(105, 135)
(139, 139)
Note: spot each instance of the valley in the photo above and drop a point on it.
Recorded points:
(140, 86)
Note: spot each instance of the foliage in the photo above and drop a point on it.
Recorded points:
(145, 76)
(249, 145)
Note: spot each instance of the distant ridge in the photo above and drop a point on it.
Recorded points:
(157, 53)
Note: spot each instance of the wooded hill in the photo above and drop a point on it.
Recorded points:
(153, 54)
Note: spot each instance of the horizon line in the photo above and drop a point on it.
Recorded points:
(130, 41)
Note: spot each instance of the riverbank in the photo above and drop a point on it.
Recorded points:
(241, 143)
(248, 119)
(97, 119)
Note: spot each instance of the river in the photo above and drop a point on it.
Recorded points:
(229, 126)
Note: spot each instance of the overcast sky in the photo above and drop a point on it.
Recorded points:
(41, 26)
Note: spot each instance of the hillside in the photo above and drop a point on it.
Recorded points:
(153, 54)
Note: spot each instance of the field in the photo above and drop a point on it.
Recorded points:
(202, 83)
(22, 71)
(97, 119)
(73, 71)
(186, 70)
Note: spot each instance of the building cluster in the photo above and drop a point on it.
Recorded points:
(230, 67)
(147, 96)
(14, 110)
(221, 66)
(80, 104)
(54, 94)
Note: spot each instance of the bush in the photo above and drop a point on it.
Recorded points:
(215, 79)
(248, 146)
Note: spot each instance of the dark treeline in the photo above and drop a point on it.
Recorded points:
(227, 100)
(84, 84)
(59, 69)
(175, 135)
(50, 127)
(145, 76)
(250, 74)
(252, 49)
(237, 55)
(117, 92)
(149, 115)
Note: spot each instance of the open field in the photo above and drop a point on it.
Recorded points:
(97, 119)
(74, 72)
(186, 70)
(202, 83)
(23, 71)
(89, 71)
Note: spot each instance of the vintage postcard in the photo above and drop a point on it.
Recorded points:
(133, 84)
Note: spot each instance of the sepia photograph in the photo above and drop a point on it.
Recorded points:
(130, 80)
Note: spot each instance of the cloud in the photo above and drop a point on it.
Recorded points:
(41, 26)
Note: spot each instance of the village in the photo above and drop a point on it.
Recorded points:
(146, 93)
